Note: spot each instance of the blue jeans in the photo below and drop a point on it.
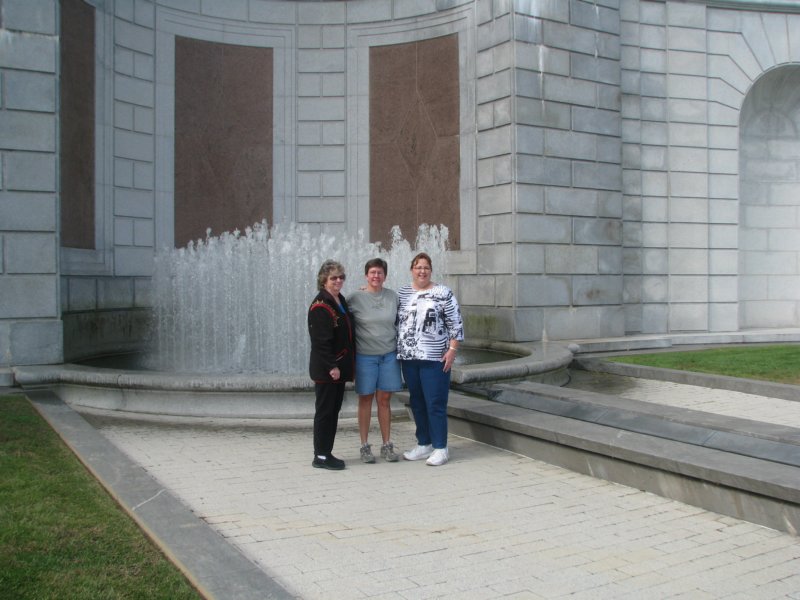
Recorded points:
(428, 387)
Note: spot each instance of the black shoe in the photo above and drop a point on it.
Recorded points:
(336, 463)
(330, 462)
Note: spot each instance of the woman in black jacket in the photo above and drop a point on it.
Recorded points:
(332, 361)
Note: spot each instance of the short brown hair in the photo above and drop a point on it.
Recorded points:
(328, 268)
(422, 256)
(376, 262)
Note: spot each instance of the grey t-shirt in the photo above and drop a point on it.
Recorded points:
(375, 321)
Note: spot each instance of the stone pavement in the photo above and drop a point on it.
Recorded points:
(490, 524)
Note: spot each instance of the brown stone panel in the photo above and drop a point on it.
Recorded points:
(414, 138)
(76, 91)
(395, 186)
(393, 83)
(439, 191)
(223, 137)
(438, 83)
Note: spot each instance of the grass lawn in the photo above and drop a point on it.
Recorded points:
(61, 534)
(778, 363)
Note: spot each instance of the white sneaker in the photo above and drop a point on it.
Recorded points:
(438, 457)
(418, 452)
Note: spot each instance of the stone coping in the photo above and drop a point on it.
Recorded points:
(534, 358)
(751, 488)
(711, 465)
(531, 359)
(149, 380)
(776, 443)
(250, 396)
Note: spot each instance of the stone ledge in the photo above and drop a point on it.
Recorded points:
(779, 443)
(744, 487)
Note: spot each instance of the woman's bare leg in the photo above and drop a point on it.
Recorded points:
(365, 416)
(385, 414)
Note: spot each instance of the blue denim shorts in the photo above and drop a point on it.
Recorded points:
(377, 372)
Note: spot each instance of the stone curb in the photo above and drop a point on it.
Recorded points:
(213, 566)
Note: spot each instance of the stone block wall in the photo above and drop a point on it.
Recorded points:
(686, 70)
(769, 204)
(30, 325)
(599, 184)
(105, 289)
(563, 187)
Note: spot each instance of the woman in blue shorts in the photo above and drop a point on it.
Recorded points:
(377, 368)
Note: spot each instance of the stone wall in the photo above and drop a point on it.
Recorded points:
(30, 327)
(686, 69)
(769, 201)
(598, 184)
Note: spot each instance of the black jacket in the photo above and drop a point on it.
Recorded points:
(333, 339)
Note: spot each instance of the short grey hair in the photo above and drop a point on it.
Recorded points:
(328, 268)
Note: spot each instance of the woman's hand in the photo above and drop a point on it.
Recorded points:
(449, 358)
(335, 373)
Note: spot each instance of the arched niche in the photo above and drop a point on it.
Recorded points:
(769, 206)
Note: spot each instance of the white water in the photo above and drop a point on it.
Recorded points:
(238, 303)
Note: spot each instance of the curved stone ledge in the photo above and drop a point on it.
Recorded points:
(177, 394)
(535, 359)
(145, 380)
(250, 395)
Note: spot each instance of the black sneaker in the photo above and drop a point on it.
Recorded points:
(329, 462)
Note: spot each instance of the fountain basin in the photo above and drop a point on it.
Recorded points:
(139, 392)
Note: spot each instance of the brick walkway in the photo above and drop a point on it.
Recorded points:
(490, 524)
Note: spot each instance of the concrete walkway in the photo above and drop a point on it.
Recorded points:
(490, 524)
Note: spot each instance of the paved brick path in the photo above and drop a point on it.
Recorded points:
(490, 524)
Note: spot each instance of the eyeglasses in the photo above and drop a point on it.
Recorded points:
(335, 277)
(422, 268)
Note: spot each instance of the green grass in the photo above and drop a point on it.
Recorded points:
(61, 534)
(778, 363)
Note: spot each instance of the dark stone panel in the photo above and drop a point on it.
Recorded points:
(76, 111)
(397, 191)
(438, 194)
(414, 138)
(392, 90)
(223, 137)
(437, 89)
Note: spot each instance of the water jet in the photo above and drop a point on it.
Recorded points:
(229, 330)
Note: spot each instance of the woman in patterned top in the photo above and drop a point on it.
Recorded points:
(429, 331)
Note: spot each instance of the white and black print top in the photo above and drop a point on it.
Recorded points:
(426, 322)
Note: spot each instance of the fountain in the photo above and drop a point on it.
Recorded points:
(229, 329)
(237, 303)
